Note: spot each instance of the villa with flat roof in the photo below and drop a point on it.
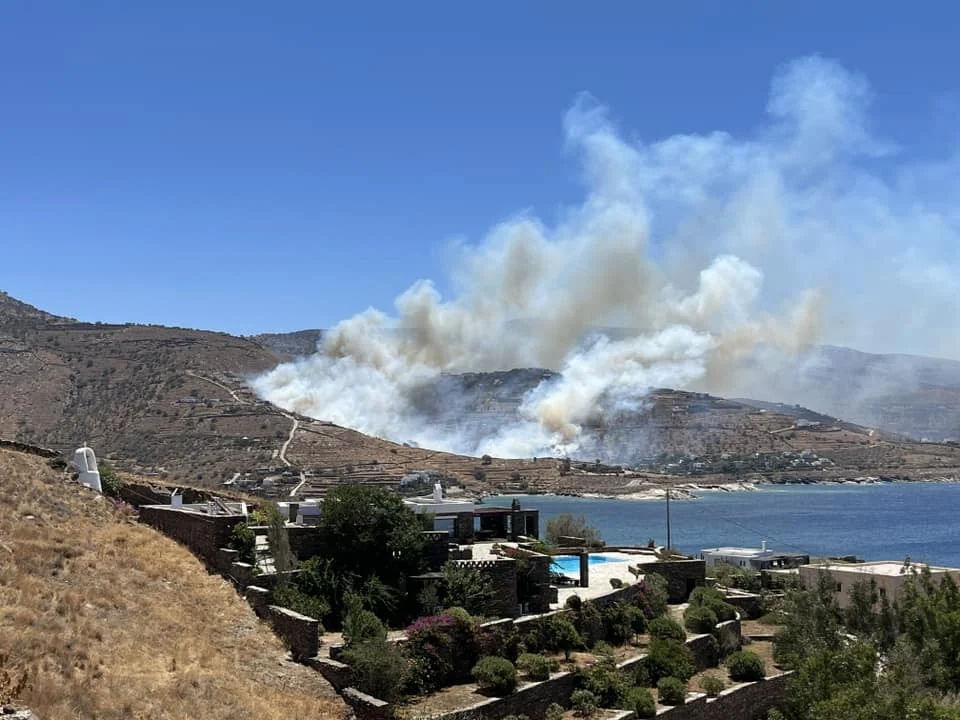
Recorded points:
(465, 520)
(890, 577)
(761, 558)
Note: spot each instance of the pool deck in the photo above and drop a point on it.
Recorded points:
(600, 574)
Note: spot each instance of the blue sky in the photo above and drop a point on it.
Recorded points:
(254, 167)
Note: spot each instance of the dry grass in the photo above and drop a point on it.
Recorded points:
(102, 618)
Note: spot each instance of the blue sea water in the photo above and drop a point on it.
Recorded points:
(887, 521)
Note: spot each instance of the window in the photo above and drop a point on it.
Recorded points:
(883, 592)
(839, 587)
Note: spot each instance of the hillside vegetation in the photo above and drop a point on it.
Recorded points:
(103, 618)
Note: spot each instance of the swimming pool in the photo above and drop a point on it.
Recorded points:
(570, 564)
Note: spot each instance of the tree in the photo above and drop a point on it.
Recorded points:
(371, 534)
(283, 558)
(566, 525)
(467, 587)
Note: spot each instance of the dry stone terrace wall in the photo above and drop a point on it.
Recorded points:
(205, 535)
(743, 702)
(682, 576)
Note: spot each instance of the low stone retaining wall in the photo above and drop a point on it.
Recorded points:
(336, 673)
(530, 700)
(743, 702)
(366, 707)
(301, 633)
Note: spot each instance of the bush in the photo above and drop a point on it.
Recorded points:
(495, 675)
(589, 623)
(617, 624)
(653, 595)
(584, 703)
(699, 619)
(560, 634)
(607, 683)
(442, 650)
(244, 541)
(292, 598)
(664, 628)
(712, 685)
(641, 701)
(553, 712)
(669, 658)
(672, 691)
(638, 620)
(566, 525)
(379, 668)
(535, 667)
(469, 588)
(360, 624)
(713, 599)
(746, 666)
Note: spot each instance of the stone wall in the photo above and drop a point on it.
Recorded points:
(730, 636)
(366, 707)
(744, 702)
(436, 548)
(29, 449)
(202, 534)
(338, 674)
(299, 632)
(682, 576)
(749, 605)
(305, 541)
(503, 574)
(705, 650)
(531, 700)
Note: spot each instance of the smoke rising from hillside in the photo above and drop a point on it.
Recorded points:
(706, 246)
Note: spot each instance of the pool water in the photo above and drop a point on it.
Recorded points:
(570, 564)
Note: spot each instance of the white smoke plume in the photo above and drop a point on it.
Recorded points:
(704, 246)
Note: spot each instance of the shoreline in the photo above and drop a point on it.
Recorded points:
(690, 490)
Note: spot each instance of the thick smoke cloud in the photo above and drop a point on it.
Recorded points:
(707, 247)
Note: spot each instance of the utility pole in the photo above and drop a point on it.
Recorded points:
(669, 545)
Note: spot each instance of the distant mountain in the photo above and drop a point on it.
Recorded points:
(905, 394)
(291, 344)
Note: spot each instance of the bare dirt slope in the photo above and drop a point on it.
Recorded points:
(103, 618)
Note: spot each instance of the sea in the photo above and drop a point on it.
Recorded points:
(884, 521)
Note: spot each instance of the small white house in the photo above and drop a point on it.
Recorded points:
(760, 558)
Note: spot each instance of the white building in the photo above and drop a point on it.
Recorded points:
(889, 577)
(445, 511)
(761, 558)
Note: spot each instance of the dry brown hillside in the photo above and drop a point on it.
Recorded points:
(103, 618)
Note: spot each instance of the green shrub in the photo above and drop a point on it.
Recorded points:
(584, 703)
(664, 628)
(589, 623)
(459, 613)
(641, 701)
(292, 598)
(379, 668)
(469, 588)
(712, 685)
(672, 691)
(669, 658)
(638, 620)
(560, 634)
(617, 626)
(535, 667)
(553, 712)
(360, 624)
(495, 675)
(713, 599)
(244, 541)
(746, 666)
(607, 682)
(699, 619)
